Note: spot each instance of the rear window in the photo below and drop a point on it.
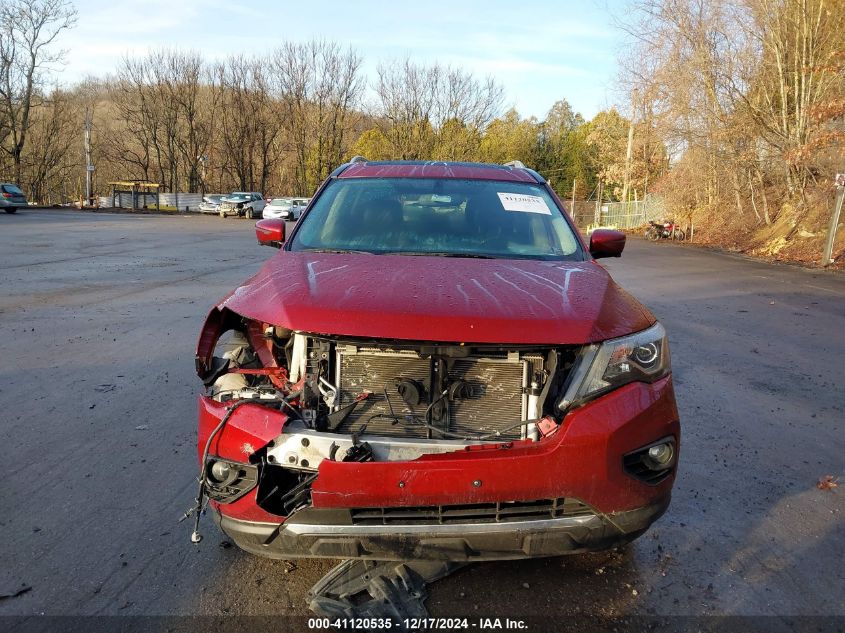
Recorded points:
(11, 189)
(447, 217)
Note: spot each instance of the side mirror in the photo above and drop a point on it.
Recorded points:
(606, 243)
(270, 232)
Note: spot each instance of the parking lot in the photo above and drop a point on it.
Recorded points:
(99, 315)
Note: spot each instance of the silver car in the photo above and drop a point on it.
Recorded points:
(248, 204)
(11, 197)
(211, 203)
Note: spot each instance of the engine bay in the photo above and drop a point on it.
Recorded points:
(395, 389)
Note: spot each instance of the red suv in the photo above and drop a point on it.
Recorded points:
(434, 366)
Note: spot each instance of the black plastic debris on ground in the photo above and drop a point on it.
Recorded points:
(378, 589)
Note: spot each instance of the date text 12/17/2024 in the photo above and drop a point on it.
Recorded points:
(418, 624)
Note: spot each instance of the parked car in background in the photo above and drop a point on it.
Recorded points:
(248, 204)
(301, 204)
(11, 197)
(277, 208)
(211, 203)
(285, 208)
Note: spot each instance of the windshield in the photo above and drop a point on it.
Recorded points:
(213, 199)
(12, 189)
(280, 202)
(237, 196)
(419, 216)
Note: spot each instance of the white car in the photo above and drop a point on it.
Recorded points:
(249, 204)
(285, 208)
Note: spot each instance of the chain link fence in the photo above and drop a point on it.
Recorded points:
(620, 215)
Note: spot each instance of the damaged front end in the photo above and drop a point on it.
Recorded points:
(331, 446)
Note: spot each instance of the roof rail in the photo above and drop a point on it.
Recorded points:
(358, 159)
(514, 163)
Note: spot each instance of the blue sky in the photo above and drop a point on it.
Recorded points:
(539, 51)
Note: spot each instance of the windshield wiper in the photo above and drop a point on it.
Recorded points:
(436, 254)
(337, 250)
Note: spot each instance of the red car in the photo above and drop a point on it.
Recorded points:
(434, 366)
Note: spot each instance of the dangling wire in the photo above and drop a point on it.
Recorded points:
(196, 537)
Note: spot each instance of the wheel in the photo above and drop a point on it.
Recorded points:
(222, 214)
(11, 210)
(652, 234)
(250, 213)
(680, 235)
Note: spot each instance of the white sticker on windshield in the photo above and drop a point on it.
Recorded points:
(524, 203)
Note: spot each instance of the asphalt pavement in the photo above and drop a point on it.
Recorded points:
(99, 315)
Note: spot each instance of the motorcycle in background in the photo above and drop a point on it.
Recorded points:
(664, 230)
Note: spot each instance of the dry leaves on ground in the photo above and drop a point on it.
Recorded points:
(828, 482)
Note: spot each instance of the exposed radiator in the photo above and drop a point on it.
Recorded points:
(496, 398)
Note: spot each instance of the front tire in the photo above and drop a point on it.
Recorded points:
(223, 214)
(11, 210)
(250, 214)
(652, 235)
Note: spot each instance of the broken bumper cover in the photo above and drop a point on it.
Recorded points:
(317, 533)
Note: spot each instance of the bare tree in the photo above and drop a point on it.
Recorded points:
(167, 111)
(408, 96)
(319, 86)
(417, 101)
(50, 157)
(138, 142)
(246, 122)
(28, 28)
(731, 86)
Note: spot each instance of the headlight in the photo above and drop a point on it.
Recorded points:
(643, 356)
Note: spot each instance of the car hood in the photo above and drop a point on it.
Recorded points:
(440, 299)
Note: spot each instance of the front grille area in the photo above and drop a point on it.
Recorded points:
(376, 372)
(501, 512)
(494, 401)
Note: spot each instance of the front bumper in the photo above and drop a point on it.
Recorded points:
(582, 462)
(317, 533)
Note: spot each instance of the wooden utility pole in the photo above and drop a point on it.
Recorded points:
(597, 217)
(834, 220)
(89, 168)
